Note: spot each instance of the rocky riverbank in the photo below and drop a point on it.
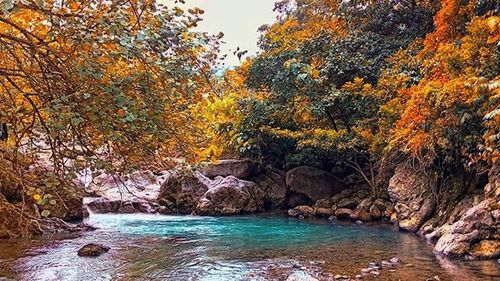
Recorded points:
(463, 223)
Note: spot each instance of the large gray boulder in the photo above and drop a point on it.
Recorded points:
(311, 184)
(230, 196)
(181, 193)
(410, 189)
(241, 169)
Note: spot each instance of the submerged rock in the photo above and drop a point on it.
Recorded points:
(301, 276)
(93, 250)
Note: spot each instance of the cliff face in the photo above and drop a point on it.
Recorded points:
(463, 218)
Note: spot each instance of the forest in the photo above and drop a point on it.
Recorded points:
(398, 98)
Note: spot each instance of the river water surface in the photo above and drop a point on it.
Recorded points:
(263, 247)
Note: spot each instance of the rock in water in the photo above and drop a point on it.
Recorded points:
(301, 276)
(231, 196)
(475, 234)
(92, 250)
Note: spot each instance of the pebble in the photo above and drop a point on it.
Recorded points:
(359, 222)
(395, 260)
(332, 218)
(375, 273)
(366, 270)
(341, 277)
(386, 264)
(359, 276)
(301, 217)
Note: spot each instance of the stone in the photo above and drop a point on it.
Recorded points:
(394, 218)
(93, 250)
(303, 210)
(69, 205)
(380, 204)
(348, 203)
(272, 182)
(182, 194)
(475, 234)
(103, 205)
(301, 276)
(343, 213)
(411, 191)
(389, 211)
(395, 260)
(486, 249)
(323, 203)
(231, 196)
(438, 232)
(314, 184)
(323, 212)
(365, 204)
(375, 213)
(361, 214)
(241, 169)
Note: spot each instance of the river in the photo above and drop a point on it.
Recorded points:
(260, 247)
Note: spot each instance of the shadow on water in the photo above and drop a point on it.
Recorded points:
(263, 247)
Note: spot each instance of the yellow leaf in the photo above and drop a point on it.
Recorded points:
(37, 197)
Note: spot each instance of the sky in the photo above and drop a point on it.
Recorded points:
(237, 19)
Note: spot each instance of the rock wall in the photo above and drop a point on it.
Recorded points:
(463, 221)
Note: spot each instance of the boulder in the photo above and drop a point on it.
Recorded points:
(181, 194)
(343, 213)
(144, 184)
(361, 214)
(323, 203)
(69, 205)
(323, 212)
(474, 234)
(230, 196)
(375, 213)
(365, 204)
(303, 210)
(272, 183)
(348, 203)
(411, 191)
(314, 184)
(241, 169)
(93, 250)
(104, 205)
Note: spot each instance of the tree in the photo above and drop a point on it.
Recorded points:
(100, 84)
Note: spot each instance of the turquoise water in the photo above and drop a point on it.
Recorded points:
(264, 247)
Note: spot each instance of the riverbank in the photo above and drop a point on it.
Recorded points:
(159, 247)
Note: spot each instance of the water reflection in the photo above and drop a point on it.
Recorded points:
(147, 247)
